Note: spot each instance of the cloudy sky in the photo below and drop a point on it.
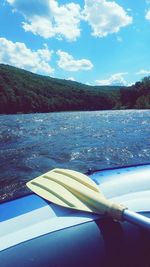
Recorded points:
(90, 41)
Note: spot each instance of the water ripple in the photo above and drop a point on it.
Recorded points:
(35, 143)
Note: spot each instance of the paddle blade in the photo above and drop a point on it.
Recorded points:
(51, 186)
(79, 177)
(75, 190)
(56, 193)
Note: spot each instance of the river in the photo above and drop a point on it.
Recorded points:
(32, 144)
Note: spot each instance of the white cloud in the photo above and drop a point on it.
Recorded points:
(11, 1)
(49, 19)
(119, 39)
(67, 19)
(68, 63)
(19, 55)
(88, 83)
(40, 26)
(115, 79)
(147, 16)
(30, 8)
(105, 17)
(143, 72)
(71, 78)
(129, 9)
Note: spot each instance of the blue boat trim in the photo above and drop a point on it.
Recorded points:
(92, 171)
(20, 206)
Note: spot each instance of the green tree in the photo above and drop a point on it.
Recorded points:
(143, 102)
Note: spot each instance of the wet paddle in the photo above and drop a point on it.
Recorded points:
(75, 190)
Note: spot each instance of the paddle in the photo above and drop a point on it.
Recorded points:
(75, 190)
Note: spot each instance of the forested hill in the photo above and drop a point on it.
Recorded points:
(24, 92)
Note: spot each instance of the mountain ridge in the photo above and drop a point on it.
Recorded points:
(22, 91)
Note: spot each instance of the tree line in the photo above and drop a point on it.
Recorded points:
(25, 92)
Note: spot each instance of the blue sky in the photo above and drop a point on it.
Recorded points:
(90, 41)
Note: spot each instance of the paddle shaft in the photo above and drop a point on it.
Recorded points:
(136, 218)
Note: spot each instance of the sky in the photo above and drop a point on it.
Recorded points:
(96, 42)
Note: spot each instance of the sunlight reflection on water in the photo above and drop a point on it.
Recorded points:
(35, 143)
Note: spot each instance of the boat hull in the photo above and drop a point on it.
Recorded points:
(97, 243)
(36, 233)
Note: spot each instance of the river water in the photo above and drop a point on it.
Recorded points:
(35, 143)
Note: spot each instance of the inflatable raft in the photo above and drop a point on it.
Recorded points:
(34, 232)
